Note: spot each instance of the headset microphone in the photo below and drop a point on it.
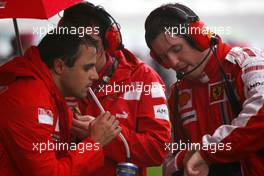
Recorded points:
(180, 75)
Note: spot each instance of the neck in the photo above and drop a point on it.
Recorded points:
(204, 53)
(101, 61)
(57, 82)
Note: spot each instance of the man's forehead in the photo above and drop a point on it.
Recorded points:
(164, 42)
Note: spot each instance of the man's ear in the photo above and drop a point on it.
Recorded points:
(59, 66)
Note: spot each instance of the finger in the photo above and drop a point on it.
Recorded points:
(115, 124)
(111, 120)
(86, 118)
(104, 116)
(107, 115)
(100, 116)
(190, 169)
(80, 124)
(118, 130)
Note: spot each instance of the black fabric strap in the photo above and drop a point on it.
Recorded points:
(229, 88)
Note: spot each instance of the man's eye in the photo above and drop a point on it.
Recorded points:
(176, 49)
(88, 67)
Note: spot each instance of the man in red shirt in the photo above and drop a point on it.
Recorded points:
(205, 108)
(128, 88)
(35, 121)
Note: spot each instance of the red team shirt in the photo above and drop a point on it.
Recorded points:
(205, 115)
(33, 111)
(141, 110)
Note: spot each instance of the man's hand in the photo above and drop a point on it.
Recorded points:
(196, 166)
(104, 128)
(81, 125)
(168, 165)
(187, 156)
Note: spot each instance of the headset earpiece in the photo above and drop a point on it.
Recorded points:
(112, 37)
(113, 40)
(196, 31)
(202, 37)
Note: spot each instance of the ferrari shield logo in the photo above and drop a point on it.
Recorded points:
(216, 92)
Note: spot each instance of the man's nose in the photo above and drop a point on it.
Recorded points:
(172, 58)
(94, 75)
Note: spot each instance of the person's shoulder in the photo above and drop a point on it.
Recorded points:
(136, 63)
(242, 56)
(145, 71)
(140, 70)
(26, 91)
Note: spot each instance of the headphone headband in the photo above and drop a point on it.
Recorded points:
(112, 39)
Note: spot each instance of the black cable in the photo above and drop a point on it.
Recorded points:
(234, 102)
(181, 75)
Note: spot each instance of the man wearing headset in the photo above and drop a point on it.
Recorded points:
(128, 88)
(204, 106)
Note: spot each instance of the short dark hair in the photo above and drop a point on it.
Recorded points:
(64, 46)
(164, 16)
(86, 14)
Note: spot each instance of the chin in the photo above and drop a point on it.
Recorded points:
(81, 95)
(84, 95)
(192, 77)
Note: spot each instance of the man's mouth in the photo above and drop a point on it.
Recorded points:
(89, 85)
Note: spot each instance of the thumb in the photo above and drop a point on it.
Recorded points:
(190, 167)
(86, 118)
(103, 116)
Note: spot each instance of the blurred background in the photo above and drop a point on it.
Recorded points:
(243, 18)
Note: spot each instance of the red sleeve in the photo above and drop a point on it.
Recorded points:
(20, 131)
(244, 135)
(147, 143)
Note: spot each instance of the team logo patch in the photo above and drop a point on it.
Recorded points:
(216, 92)
(45, 116)
(161, 112)
(185, 99)
(188, 117)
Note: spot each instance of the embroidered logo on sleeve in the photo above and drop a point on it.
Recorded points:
(45, 116)
(185, 99)
(161, 112)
